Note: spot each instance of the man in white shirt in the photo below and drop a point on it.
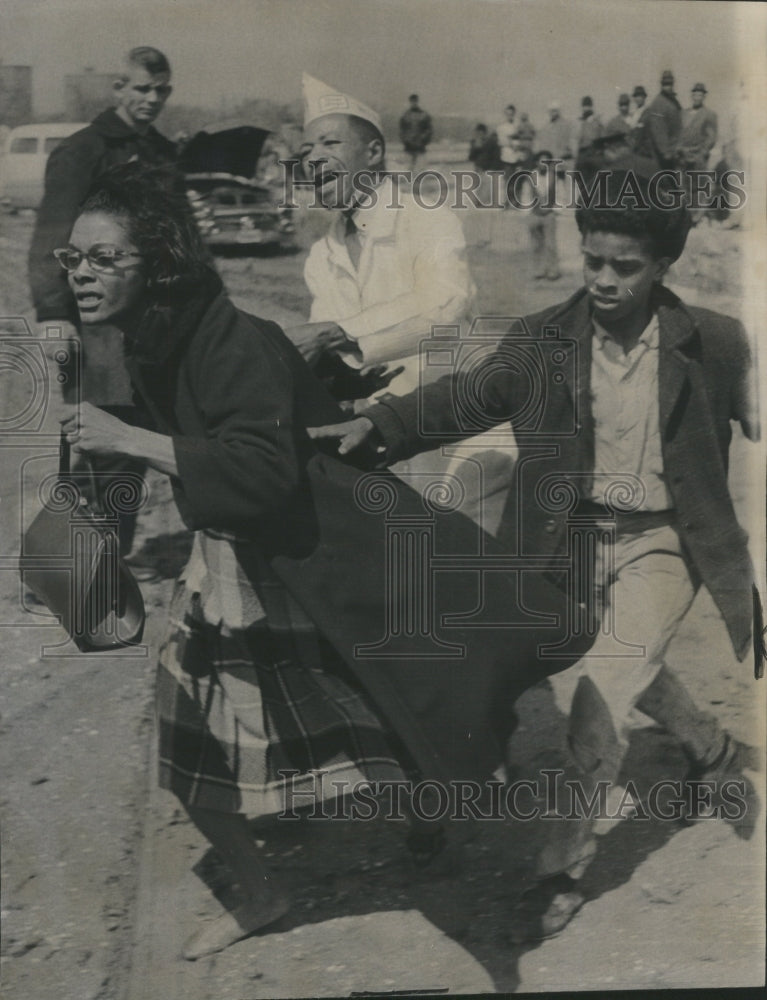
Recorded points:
(511, 150)
(387, 272)
(388, 269)
(505, 131)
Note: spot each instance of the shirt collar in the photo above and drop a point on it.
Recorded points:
(650, 336)
(374, 217)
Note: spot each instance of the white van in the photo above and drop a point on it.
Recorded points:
(23, 158)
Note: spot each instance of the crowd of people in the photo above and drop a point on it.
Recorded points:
(662, 132)
(259, 691)
(647, 138)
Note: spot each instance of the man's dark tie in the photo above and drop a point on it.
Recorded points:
(353, 242)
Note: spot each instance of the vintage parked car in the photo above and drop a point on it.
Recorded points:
(23, 157)
(235, 186)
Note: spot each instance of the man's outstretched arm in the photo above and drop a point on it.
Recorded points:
(399, 427)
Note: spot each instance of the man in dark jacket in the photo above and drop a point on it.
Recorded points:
(699, 131)
(622, 400)
(119, 134)
(589, 129)
(659, 138)
(697, 139)
(415, 130)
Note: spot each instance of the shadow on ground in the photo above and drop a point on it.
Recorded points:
(340, 867)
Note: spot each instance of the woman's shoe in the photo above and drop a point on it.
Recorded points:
(545, 909)
(233, 926)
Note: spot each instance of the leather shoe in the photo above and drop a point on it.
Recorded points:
(545, 909)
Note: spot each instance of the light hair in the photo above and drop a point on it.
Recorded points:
(145, 57)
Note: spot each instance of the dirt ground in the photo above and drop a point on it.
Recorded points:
(103, 878)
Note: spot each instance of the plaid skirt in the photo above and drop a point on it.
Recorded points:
(261, 719)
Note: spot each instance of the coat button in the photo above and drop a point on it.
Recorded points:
(689, 525)
(550, 526)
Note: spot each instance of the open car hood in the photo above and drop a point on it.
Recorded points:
(226, 148)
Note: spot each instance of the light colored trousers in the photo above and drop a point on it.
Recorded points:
(647, 590)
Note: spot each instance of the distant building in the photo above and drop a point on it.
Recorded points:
(15, 95)
(87, 93)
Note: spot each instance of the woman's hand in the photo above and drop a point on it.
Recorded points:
(351, 434)
(89, 429)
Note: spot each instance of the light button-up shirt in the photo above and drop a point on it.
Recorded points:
(412, 274)
(627, 440)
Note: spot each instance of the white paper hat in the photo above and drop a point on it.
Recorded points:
(320, 100)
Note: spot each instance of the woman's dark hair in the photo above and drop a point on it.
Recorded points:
(160, 224)
(629, 204)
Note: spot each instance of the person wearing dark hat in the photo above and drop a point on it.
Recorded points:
(622, 121)
(590, 129)
(699, 131)
(591, 126)
(698, 138)
(659, 138)
(639, 96)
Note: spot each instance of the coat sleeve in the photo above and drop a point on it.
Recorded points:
(68, 176)
(744, 395)
(661, 134)
(446, 410)
(710, 131)
(244, 465)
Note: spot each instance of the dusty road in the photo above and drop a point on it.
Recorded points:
(103, 878)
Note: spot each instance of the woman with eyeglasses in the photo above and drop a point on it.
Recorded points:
(251, 701)
(257, 711)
